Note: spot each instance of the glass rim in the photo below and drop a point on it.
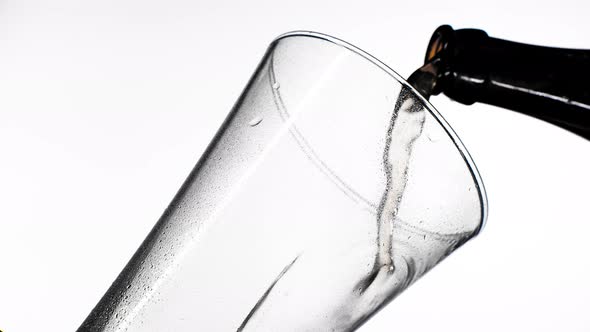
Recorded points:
(441, 120)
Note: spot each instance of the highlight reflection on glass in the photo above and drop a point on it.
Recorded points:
(329, 189)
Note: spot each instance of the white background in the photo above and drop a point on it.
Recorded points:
(105, 106)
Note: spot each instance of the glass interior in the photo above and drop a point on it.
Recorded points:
(330, 188)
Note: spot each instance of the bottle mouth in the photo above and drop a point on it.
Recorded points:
(439, 43)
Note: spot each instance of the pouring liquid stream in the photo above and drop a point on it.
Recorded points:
(389, 273)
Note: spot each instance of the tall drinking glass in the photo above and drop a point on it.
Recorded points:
(330, 188)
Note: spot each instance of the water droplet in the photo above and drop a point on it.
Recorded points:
(434, 136)
(255, 121)
(276, 85)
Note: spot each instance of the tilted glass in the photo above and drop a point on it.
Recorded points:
(331, 186)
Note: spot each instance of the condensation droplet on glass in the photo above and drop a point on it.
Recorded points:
(433, 137)
(255, 121)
